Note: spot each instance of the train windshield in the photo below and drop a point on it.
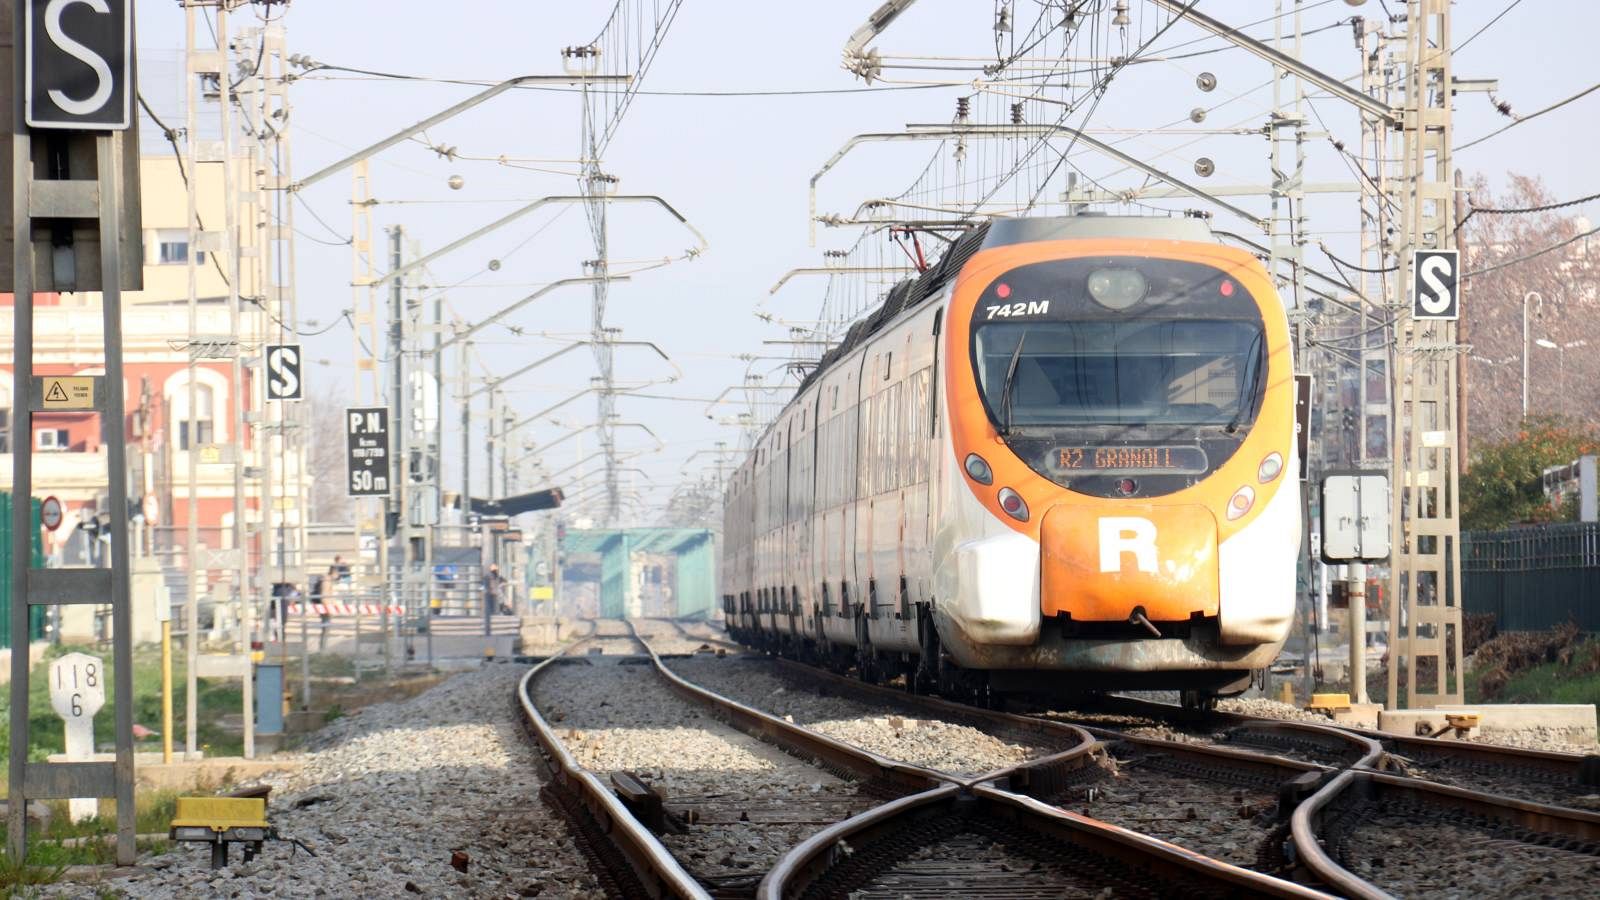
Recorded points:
(1131, 372)
(1119, 342)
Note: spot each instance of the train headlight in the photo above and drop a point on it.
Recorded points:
(1013, 504)
(1241, 501)
(978, 469)
(1117, 288)
(1271, 466)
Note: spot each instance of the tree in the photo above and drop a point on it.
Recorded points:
(1503, 485)
(325, 461)
(1568, 279)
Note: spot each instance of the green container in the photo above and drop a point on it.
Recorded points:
(36, 614)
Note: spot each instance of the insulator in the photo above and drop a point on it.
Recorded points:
(1016, 113)
(963, 106)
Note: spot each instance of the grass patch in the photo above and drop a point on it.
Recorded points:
(1551, 682)
(39, 868)
(217, 697)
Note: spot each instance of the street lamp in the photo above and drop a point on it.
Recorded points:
(1561, 368)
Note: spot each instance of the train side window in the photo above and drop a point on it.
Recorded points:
(888, 365)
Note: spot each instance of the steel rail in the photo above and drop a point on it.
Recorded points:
(655, 868)
(1306, 825)
(1363, 749)
(1040, 779)
(863, 764)
(805, 864)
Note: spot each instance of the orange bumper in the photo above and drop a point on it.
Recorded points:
(1100, 564)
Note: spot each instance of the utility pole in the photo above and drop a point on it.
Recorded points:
(199, 577)
(238, 398)
(399, 478)
(463, 365)
(1425, 578)
(366, 349)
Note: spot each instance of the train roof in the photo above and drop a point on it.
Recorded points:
(1002, 232)
(1064, 228)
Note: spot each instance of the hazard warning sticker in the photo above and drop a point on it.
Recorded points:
(65, 393)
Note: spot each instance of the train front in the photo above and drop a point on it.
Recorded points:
(1124, 501)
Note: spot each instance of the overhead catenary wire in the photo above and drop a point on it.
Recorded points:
(1534, 255)
(1548, 207)
(1529, 117)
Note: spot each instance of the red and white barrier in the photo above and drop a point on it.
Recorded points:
(347, 609)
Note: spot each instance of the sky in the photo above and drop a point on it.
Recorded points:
(737, 167)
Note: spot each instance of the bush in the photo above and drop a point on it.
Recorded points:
(1517, 651)
(1503, 485)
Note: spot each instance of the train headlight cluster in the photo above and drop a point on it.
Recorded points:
(1241, 501)
(1013, 504)
(1117, 288)
(978, 469)
(1271, 466)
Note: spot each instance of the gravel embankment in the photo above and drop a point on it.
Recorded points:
(665, 638)
(385, 797)
(1222, 820)
(746, 802)
(1439, 859)
(894, 732)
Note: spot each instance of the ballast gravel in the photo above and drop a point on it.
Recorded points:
(896, 733)
(385, 797)
(741, 803)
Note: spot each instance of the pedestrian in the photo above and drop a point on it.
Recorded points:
(340, 570)
(291, 596)
(493, 585)
(318, 599)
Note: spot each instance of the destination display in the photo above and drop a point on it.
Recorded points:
(1176, 460)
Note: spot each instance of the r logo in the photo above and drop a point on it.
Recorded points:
(1127, 534)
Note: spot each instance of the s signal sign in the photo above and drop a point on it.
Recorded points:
(1435, 284)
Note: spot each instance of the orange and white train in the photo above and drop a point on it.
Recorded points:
(1062, 459)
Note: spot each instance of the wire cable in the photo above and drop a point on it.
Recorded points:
(1530, 116)
(1535, 254)
(1462, 46)
(1528, 209)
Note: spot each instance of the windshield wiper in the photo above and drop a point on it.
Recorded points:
(1005, 387)
(1248, 401)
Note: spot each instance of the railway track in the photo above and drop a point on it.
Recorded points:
(721, 789)
(1228, 797)
(1559, 779)
(1370, 835)
(978, 841)
(650, 828)
(1538, 776)
(961, 742)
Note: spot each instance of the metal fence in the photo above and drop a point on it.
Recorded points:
(1534, 579)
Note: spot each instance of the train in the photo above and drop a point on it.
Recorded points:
(1062, 459)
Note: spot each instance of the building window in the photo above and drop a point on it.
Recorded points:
(51, 439)
(205, 417)
(172, 248)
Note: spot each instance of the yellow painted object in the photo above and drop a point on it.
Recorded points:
(1286, 693)
(1329, 702)
(1462, 721)
(258, 656)
(220, 813)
